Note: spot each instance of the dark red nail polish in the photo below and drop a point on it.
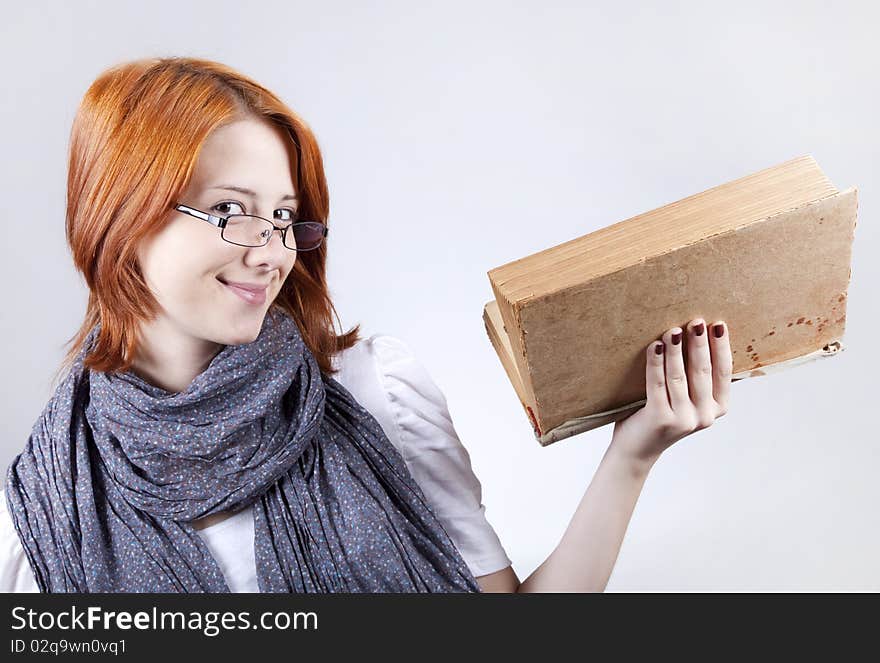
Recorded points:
(719, 330)
(699, 329)
(676, 338)
(658, 349)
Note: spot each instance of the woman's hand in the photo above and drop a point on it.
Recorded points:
(678, 404)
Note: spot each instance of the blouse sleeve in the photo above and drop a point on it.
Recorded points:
(434, 455)
(15, 571)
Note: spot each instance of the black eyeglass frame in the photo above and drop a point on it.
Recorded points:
(221, 222)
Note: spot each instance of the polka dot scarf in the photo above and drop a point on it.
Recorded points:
(115, 468)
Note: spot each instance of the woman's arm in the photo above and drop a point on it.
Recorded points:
(679, 402)
(586, 554)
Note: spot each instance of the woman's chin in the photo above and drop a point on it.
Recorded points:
(245, 331)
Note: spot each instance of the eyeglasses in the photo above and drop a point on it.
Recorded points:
(249, 230)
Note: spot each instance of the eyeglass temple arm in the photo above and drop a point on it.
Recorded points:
(218, 221)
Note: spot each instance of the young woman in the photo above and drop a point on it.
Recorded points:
(214, 434)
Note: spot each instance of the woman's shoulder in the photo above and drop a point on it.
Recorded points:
(379, 347)
(377, 361)
(383, 373)
(363, 369)
(15, 570)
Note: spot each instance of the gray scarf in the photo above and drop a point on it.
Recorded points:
(115, 468)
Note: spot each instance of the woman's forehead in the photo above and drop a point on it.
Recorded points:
(252, 155)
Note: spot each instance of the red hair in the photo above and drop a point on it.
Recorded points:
(133, 147)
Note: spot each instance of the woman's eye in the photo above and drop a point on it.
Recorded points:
(291, 215)
(218, 207)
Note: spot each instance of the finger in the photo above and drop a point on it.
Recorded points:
(722, 364)
(676, 381)
(655, 378)
(699, 366)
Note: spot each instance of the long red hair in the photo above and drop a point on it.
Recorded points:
(133, 147)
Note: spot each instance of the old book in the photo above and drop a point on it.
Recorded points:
(768, 253)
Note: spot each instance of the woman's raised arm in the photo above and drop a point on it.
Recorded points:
(678, 403)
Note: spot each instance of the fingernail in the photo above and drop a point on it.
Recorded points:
(676, 338)
(658, 349)
(699, 329)
(719, 330)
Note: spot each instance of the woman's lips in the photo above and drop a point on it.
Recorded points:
(249, 295)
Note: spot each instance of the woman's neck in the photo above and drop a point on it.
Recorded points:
(170, 359)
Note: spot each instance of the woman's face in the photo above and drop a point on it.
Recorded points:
(187, 263)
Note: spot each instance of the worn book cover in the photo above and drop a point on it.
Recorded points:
(769, 253)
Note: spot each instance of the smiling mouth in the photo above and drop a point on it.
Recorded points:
(245, 286)
(257, 297)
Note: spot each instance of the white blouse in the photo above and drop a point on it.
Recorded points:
(382, 373)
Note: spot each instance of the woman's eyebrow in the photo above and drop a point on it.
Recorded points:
(248, 192)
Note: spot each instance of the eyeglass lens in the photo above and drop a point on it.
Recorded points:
(254, 231)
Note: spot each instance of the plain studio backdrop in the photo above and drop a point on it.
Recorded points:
(458, 136)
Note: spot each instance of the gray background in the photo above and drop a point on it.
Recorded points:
(516, 126)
